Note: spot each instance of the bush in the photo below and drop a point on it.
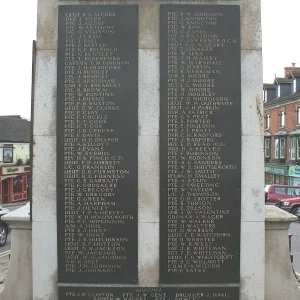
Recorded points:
(19, 162)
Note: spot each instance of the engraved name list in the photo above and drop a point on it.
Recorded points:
(200, 144)
(97, 144)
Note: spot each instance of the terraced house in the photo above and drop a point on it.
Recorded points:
(282, 128)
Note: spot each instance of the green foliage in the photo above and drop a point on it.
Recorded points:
(19, 162)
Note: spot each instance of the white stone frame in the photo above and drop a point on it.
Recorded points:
(252, 142)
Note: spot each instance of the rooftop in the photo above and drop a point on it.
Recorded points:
(14, 129)
(267, 86)
(295, 73)
(283, 99)
(279, 80)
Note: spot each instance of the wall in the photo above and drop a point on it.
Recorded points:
(44, 192)
(21, 150)
(285, 89)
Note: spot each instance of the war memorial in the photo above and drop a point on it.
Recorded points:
(149, 116)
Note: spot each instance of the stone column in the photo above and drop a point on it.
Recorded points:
(280, 281)
(18, 283)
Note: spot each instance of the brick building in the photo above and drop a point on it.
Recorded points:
(14, 159)
(282, 129)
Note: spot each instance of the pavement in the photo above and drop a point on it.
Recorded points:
(4, 259)
(4, 264)
(12, 204)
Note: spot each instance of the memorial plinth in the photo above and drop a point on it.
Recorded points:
(157, 147)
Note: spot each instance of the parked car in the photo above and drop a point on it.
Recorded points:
(3, 226)
(290, 205)
(276, 192)
(298, 213)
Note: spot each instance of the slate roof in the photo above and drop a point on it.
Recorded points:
(282, 80)
(283, 99)
(14, 129)
(296, 132)
(267, 133)
(295, 73)
(281, 132)
(269, 86)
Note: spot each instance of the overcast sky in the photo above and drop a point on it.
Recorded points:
(281, 46)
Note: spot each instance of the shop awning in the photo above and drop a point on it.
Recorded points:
(8, 176)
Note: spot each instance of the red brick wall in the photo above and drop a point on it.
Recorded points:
(290, 122)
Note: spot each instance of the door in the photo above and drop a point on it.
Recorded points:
(5, 190)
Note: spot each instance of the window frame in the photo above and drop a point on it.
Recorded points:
(280, 190)
(268, 121)
(276, 147)
(279, 149)
(6, 148)
(293, 152)
(293, 191)
(298, 115)
(297, 147)
(282, 150)
(267, 150)
(282, 119)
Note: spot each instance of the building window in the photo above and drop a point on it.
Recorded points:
(276, 148)
(294, 85)
(280, 148)
(298, 148)
(293, 148)
(17, 186)
(267, 121)
(298, 115)
(7, 153)
(267, 148)
(282, 119)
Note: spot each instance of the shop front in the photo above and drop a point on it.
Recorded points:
(277, 174)
(14, 183)
(294, 173)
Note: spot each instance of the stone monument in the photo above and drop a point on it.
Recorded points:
(148, 124)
